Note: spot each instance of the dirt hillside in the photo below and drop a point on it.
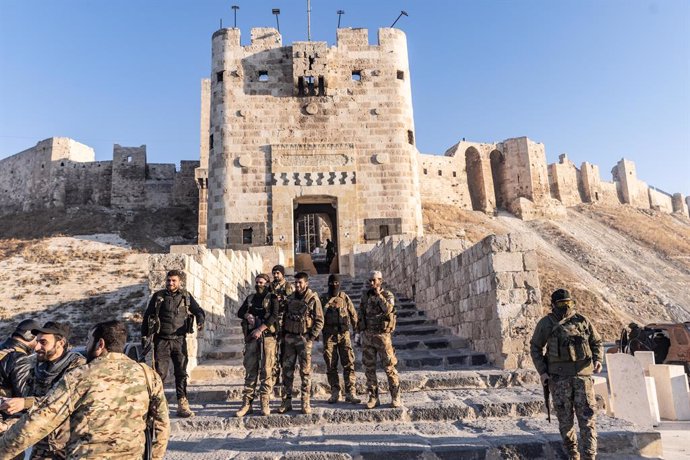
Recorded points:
(622, 264)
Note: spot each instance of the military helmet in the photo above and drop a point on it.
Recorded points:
(560, 295)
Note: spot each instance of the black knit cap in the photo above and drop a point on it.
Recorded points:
(333, 277)
(560, 295)
(278, 268)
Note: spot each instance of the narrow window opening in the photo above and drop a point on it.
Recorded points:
(322, 86)
(300, 86)
(263, 75)
(129, 158)
(596, 196)
(62, 164)
(210, 141)
(247, 235)
(455, 174)
(356, 75)
(410, 137)
(219, 77)
(401, 75)
(440, 173)
(383, 231)
(311, 89)
(426, 171)
(43, 166)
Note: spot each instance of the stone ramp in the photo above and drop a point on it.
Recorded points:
(520, 438)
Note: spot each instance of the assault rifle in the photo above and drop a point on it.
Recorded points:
(547, 400)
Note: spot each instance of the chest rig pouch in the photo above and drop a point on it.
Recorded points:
(336, 317)
(377, 321)
(298, 319)
(569, 340)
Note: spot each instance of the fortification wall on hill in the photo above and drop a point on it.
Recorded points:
(487, 293)
(60, 172)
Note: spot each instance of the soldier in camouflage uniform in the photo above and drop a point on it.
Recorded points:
(339, 315)
(377, 317)
(302, 324)
(105, 404)
(573, 352)
(281, 289)
(33, 376)
(259, 314)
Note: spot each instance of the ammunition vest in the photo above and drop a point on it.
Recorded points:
(375, 320)
(336, 316)
(567, 348)
(260, 309)
(173, 313)
(299, 318)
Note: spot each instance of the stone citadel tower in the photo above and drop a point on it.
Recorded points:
(308, 129)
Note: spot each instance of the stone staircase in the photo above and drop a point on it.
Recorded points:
(455, 407)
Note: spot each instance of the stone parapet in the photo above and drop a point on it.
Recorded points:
(487, 293)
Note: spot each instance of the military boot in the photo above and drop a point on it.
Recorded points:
(183, 409)
(335, 396)
(285, 406)
(246, 408)
(352, 398)
(396, 401)
(265, 409)
(373, 399)
(306, 405)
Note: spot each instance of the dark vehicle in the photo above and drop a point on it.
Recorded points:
(670, 342)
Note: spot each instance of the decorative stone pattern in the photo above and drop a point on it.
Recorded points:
(60, 172)
(487, 293)
(218, 280)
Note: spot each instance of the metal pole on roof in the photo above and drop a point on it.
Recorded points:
(309, 20)
(402, 13)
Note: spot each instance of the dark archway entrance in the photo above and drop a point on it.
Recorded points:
(475, 179)
(498, 175)
(314, 225)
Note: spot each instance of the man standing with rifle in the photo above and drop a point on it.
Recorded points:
(259, 315)
(281, 289)
(168, 319)
(573, 352)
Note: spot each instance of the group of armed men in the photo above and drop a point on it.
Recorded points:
(105, 405)
(280, 323)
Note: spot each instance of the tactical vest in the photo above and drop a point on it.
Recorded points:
(173, 317)
(336, 316)
(260, 312)
(375, 319)
(567, 347)
(298, 318)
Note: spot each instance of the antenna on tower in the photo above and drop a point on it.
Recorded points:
(276, 11)
(402, 13)
(339, 13)
(221, 23)
(234, 10)
(308, 20)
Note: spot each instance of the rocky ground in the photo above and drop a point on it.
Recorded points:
(622, 264)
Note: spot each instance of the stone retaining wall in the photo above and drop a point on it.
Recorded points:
(218, 280)
(487, 293)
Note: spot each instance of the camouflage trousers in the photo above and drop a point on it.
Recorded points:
(381, 344)
(53, 446)
(574, 396)
(259, 359)
(296, 350)
(339, 347)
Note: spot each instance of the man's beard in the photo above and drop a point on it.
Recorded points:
(260, 289)
(46, 355)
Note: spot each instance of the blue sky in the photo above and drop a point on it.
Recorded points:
(597, 79)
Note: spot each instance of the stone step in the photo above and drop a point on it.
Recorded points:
(413, 329)
(230, 388)
(212, 370)
(518, 438)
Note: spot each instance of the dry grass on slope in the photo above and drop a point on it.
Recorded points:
(452, 222)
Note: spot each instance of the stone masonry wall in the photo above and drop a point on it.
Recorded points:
(660, 200)
(487, 293)
(219, 280)
(60, 172)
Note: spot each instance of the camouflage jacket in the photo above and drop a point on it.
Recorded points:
(377, 312)
(572, 346)
(106, 402)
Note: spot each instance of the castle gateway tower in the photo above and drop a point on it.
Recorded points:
(308, 142)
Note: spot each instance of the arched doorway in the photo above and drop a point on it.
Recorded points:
(475, 179)
(498, 175)
(316, 228)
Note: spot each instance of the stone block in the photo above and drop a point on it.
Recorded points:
(653, 400)
(671, 391)
(646, 358)
(630, 399)
(507, 262)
